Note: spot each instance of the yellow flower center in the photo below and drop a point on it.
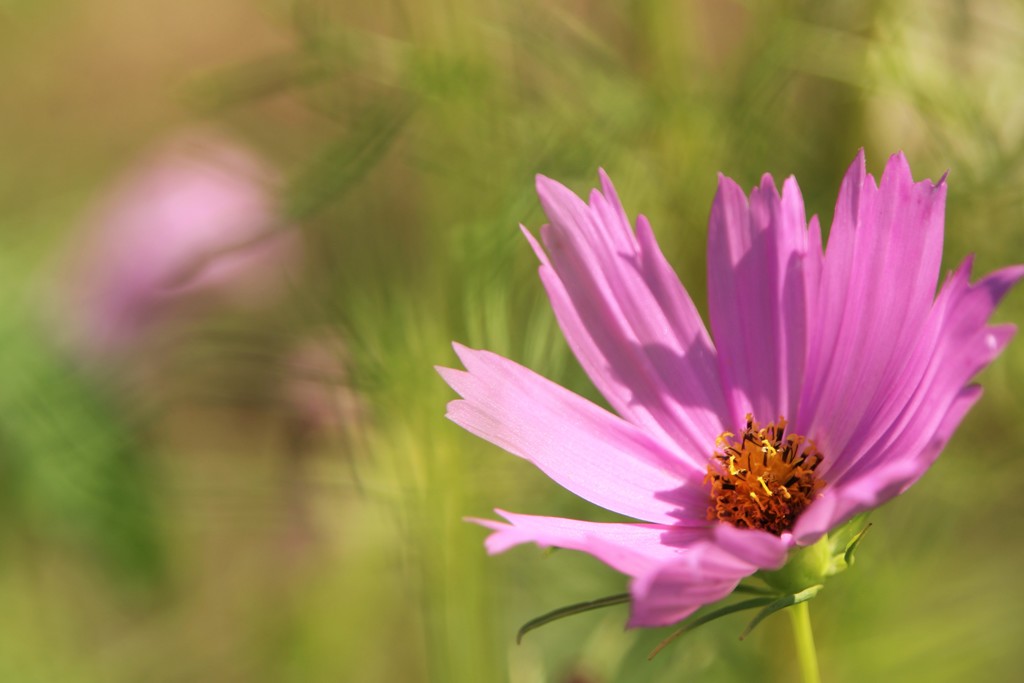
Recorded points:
(764, 479)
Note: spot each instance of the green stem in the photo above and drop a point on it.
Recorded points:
(800, 615)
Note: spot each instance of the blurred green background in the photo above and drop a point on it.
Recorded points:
(271, 493)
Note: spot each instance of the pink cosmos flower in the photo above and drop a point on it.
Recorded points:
(833, 380)
(197, 218)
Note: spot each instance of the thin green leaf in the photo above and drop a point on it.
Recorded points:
(780, 604)
(756, 590)
(568, 611)
(710, 616)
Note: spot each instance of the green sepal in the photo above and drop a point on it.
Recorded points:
(852, 546)
(848, 533)
(805, 567)
(568, 611)
(811, 565)
(782, 603)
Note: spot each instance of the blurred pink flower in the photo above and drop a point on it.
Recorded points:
(834, 381)
(197, 218)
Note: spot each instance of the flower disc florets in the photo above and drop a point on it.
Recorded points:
(764, 479)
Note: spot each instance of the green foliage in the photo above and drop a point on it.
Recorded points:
(73, 468)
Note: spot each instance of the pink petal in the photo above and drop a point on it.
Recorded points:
(676, 569)
(760, 548)
(629, 320)
(707, 572)
(956, 343)
(881, 426)
(632, 549)
(883, 240)
(763, 270)
(842, 502)
(586, 449)
(961, 344)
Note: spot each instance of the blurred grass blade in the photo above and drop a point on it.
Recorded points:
(253, 80)
(570, 610)
(344, 163)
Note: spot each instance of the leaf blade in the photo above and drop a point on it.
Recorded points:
(568, 611)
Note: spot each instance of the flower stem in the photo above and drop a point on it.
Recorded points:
(800, 616)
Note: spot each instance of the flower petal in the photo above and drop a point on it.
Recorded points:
(844, 501)
(884, 239)
(905, 415)
(760, 548)
(708, 571)
(676, 569)
(632, 549)
(956, 344)
(629, 320)
(586, 449)
(763, 270)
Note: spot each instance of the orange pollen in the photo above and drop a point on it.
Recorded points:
(764, 479)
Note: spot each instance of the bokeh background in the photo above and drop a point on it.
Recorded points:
(236, 237)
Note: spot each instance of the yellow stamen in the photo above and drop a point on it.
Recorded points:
(764, 479)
